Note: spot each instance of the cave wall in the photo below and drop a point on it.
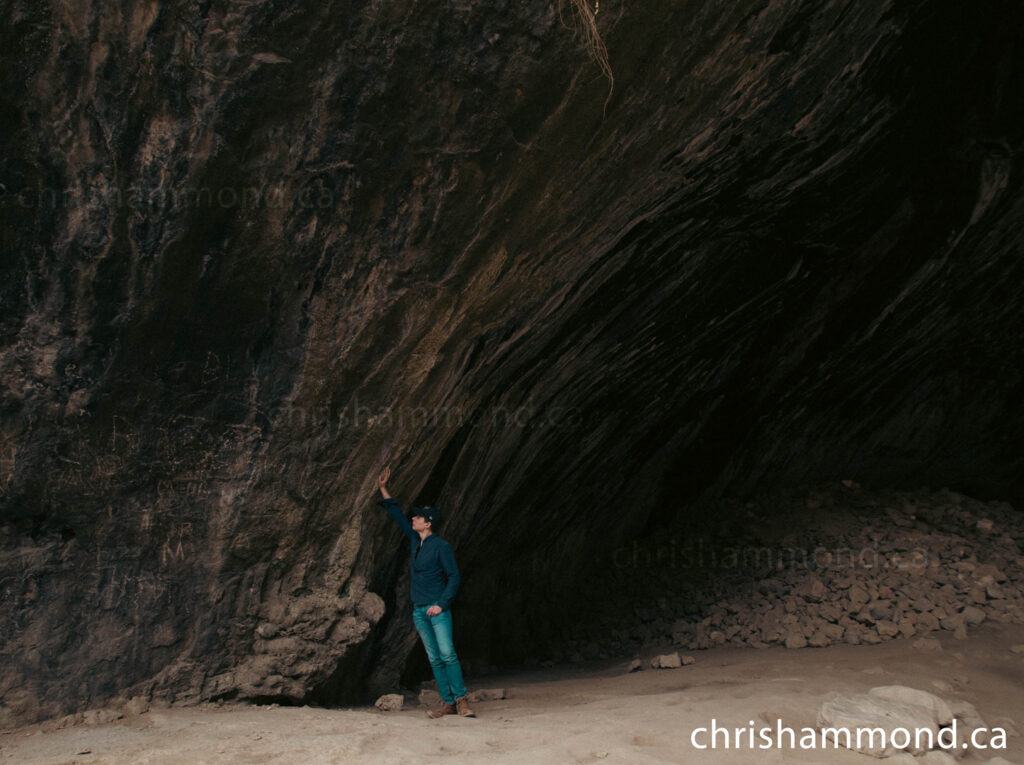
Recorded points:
(252, 253)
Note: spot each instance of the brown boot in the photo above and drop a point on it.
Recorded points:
(444, 709)
(462, 705)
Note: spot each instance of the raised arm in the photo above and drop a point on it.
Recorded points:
(393, 508)
(382, 479)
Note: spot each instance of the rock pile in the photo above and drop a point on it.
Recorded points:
(849, 566)
(944, 567)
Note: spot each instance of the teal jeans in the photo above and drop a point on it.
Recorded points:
(436, 634)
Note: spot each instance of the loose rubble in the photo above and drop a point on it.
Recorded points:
(849, 566)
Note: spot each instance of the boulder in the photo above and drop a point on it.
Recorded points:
(864, 711)
(390, 702)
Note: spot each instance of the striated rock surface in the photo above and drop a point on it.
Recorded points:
(251, 252)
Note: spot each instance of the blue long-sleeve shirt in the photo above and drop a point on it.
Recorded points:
(434, 576)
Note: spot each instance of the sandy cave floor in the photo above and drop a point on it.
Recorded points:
(577, 714)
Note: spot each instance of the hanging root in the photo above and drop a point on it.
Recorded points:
(585, 27)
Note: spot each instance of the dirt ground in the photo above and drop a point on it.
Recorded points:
(578, 714)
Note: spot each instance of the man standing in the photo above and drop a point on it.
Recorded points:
(434, 579)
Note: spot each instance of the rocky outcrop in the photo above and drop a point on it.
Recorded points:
(895, 718)
(251, 253)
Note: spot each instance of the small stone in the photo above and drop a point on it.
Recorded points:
(906, 627)
(390, 702)
(1019, 648)
(858, 595)
(795, 639)
(922, 605)
(973, 615)
(830, 612)
(951, 623)
(819, 640)
(985, 524)
(887, 629)
(818, 590)
(635, 666)
(833, 632)
(667, 661)
(880, 610)
(688, 660)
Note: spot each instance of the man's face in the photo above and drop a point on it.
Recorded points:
(418, 524)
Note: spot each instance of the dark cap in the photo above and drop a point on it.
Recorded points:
(429, 513)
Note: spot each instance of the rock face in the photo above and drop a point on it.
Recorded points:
(250, 253)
